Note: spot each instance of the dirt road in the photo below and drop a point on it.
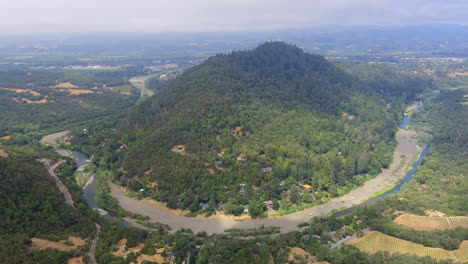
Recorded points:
(63, 189)
(92, 259)
(405, 152)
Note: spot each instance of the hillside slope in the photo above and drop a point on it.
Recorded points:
(272, 119)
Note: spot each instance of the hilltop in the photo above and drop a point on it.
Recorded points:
(271, 124)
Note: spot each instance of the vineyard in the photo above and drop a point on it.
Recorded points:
(376, 241)
(427, 223)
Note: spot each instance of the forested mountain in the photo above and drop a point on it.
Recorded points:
(258, 125)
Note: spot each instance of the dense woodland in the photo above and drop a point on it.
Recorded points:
(32, 206)
(272, 119)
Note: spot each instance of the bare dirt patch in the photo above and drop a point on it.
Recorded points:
(40, 244)
(67, 85)
(18, 90)
(122, 252)
(26, 100)
(299, 252)
(455, 74)
(3, 154)
(178, 148)
(434, 213)
(55, 138)
(154, 258)
(75, 260)
(430, 223)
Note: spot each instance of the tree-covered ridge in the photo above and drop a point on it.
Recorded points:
(32, 206)
(274, 118)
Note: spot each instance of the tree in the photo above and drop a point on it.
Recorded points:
(256, 208)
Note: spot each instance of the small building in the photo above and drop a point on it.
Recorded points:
(203, 205)
(267, 169)
(242, 187)
(219, 163)
(269, 204)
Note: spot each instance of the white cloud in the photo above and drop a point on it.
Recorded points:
(25, 16)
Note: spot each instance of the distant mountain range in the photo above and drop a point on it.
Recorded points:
(437, 39)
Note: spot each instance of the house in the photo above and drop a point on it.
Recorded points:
(267, 169)
(269, 204)
(242, 187)
(219, 163)
(203, 205)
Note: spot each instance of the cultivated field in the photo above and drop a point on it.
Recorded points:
(375, 241)
(428, 223)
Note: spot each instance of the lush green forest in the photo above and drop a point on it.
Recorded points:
(255, 126)
(32, 206)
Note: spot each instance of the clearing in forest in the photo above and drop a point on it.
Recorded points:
(3, 154)
(375, 241)
(17, 90)
(25, 100)
(178, 148)
(55, 138)
(429, 223)
(75, 260)
(299, 253)
(76, 91)
(67, 85)
(122, 89)
(123, 251)
(62, 245)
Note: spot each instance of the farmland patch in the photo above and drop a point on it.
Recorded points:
(375, 241)
(430, 223)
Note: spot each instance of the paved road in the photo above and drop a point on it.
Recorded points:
(405, 152)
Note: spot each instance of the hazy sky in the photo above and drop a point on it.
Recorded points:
(29, 16)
